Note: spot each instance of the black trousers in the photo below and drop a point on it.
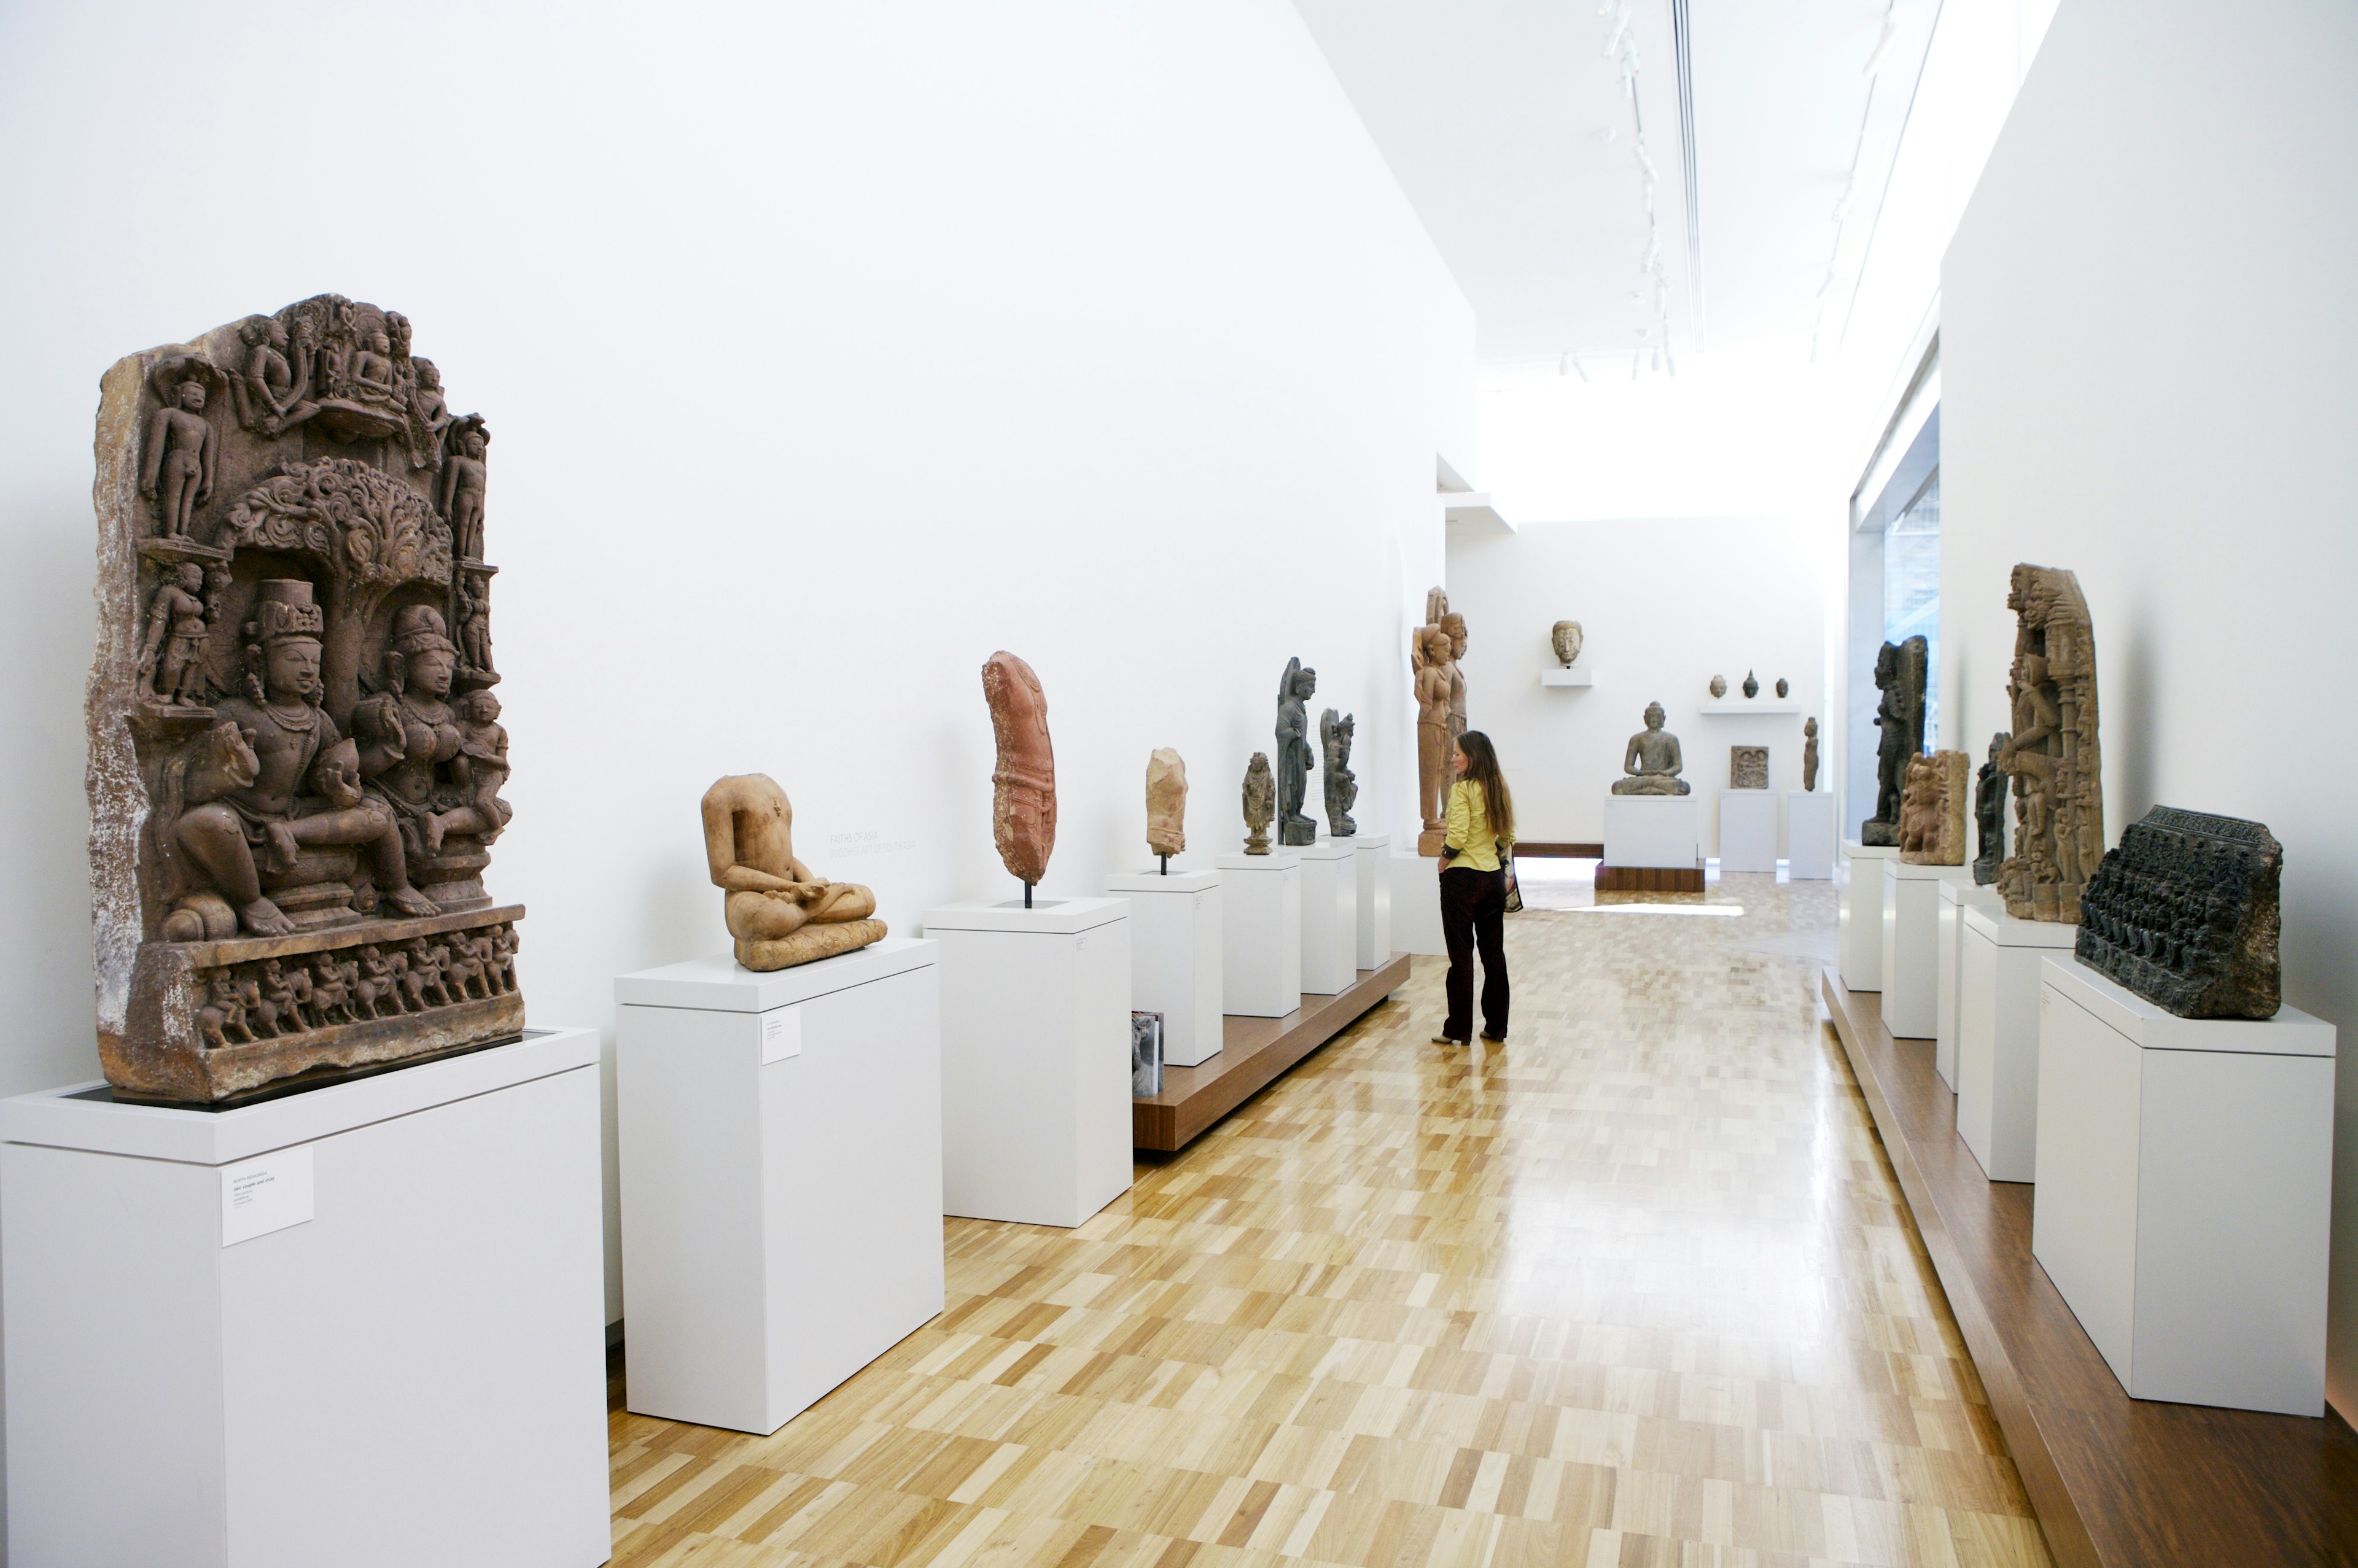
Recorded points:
(1474, 916)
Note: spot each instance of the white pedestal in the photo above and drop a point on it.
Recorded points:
(1997, 1037)
(1748, 831)
(411, 1369)
(1330, 917)
(1653, 831)
(1260, 933)
(2185, 1177)
(1174, 957)
(781, 1141)
(1956, 897)
(1374, 879)
(1911, 944)
(1416, 904)
(1035, 1058)
(1809, 836)
(1858, 887)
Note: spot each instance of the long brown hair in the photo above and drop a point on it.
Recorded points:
(1482, 768)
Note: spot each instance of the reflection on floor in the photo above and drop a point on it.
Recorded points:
(1637, 1288)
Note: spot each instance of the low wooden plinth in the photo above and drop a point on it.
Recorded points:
(1649, 879)
(1541, 849)
(2116, 1481)
(1253, 1052)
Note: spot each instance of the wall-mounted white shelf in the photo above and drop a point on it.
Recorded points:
(1471, 512)
(1557, 675)
(1740, 708)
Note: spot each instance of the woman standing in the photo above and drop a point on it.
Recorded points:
(1481, 833)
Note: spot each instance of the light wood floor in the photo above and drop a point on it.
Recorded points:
(1637, 1289)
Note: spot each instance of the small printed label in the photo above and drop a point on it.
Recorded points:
(782, 1035)
(272, 1193)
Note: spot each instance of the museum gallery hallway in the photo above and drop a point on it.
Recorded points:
(1638, 1288)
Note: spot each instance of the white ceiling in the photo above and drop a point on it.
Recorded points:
(1491, 113)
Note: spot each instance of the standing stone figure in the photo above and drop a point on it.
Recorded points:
(1565, 639)
(2052, 755)
(1293, 760)
(1932, 810)
(1899, 672)
(1454, 624)
(182, 451)
(1809, 756)
(1024, 784)
(1341, 785)
(1652, 759)
(462, 485)
(1429, 660)
(168, 657)
(779, 911)
(1166, 804)
(1260, 803)
(1989, 814)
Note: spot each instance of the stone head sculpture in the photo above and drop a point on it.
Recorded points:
(1565, 639)
(1024, 784)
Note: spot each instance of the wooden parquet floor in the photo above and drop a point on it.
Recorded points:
(1637, 1288)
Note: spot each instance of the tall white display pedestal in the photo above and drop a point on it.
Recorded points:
(1330, 917)
(1997, 1037)
(1747, 830)
(2185, 1187)
(1175, 956)
(1035, 1058)
(1858, 888)
(1260, 933)
(780, 1144)
(1809, 836)
(1374, 879)
(1653, 830)
(1416, 904)
(1956, 897)
(363, 1325)
(1911, 944)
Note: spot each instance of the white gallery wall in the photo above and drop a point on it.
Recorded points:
(2147, 334)
(1664, 604)
(825, 350)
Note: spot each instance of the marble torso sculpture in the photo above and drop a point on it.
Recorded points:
(1653, 760)
(2052, 755)
(1166, 804)
(1294, 826)
(1899, 672)
(1024, 784)
(1341, 785)
(2184, 913)
(294, 780)
(1747, 767)
(1932, 810)
(1566, 640)
(780, 911)
(1809, 756)
(1430, 662)
(1260, 803)
(1989, 814)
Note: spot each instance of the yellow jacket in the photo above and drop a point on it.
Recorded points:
(1469, 829)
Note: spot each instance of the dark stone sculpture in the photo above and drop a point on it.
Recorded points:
(1294, 826)
(1260, 803)
(1809, 756)
(1783, 686)
(1342, 785)
(1899, 673)
(1751, 686)
(1024, 784)
(293, 779)
(1989, 814)
(2053, 756)
(2184, 912)
(1652, 762)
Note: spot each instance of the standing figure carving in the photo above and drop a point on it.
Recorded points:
(1260, 803)
(2052, 755)
(1989, 814)
(462, 485)
(1294, 826)
(1899, 674)
(1809, 756)
(183, 450)
(779, 912)
(1453, 626)
(1430, 662)
(170, 657)
(1024, 784)
(1341, 785)
(1932, 810)
(1166, 804)
(1652, 762)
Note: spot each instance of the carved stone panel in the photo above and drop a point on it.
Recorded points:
(1747, 767)
(2052, 755)
(1335, 735)
(2184, 912)
(293, 773)
(1932, 810)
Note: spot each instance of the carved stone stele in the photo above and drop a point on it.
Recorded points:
(2184, 913)
(1565, 638)
(1295, 690)
(1260, 803)
(295, 771)
(1747, 767)
(1900, 671)
(1989, 815)
(1932, 810)
(1024, 784)
(1334, 734)
(2052, 755)
(778, 910)
(1166, 803)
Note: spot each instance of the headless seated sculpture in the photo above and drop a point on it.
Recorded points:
(781, 912)
(1653, 760)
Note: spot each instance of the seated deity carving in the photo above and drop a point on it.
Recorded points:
(1652, 762)
(780, 911)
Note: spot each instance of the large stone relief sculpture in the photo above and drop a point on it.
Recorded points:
(1166, 804)
(1024, 784)
(1335, 735)
(1295, 825)
(1260, 803)
(1652, 762)
(2052, 755)
(1899, 674)
(1989, 814)
(2184, 913)
(1932, 810)
(293, 773)
(779, 911)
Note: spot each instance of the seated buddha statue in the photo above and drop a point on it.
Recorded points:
(1650, 765)
(780, 911)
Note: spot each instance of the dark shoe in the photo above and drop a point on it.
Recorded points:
(1494, 1040)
